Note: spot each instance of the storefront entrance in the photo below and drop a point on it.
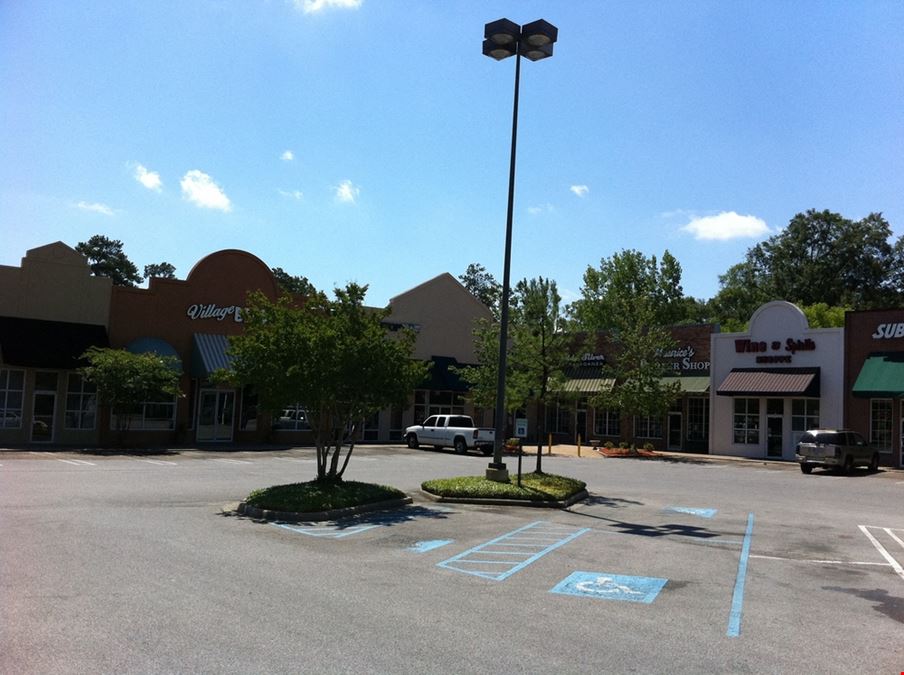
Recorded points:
(42, 417)
(215, 414)
(774, 435)
(674, 431)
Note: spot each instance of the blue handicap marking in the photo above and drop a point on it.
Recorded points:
(610, 586)
(424, 546)
(703, 513)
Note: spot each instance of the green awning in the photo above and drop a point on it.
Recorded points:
(690, 385)
(882, 375)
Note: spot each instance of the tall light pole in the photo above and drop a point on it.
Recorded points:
(533, 41)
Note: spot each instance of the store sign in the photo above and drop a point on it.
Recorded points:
(684, 359)
(789, 346)
(886, 331)
(213, 311)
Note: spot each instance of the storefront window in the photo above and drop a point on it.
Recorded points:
(371, 429)
(293, 418)
(804, 416)
(880, 422)
(647, 427)
(248, 420)
(559, 417)
(746, 421)
(697, 419)
(81, 403)
(12, 386)
(607, 422)
(427, 403)
(149, 416)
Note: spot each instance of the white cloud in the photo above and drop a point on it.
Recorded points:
(200, 189)
(292, 194)
(94, 207)
(314, 6)
(580, 190)
(537, 210)
(287, 156)
(726, 225)
(150, 179)
(347, 192)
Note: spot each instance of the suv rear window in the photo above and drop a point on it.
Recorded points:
(828, 437)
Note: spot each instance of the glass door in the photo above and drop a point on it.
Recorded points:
(774, 436)
(674, 430)
(42, 416)
(215, 411)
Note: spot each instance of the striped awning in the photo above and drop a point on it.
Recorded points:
(587, 385)
(771, 382)
(208, 353)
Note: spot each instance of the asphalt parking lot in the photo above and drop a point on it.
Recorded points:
(128, 564)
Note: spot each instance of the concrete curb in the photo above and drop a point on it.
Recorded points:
(317, 516)
(561, 504)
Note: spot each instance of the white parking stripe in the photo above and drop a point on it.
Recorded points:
(76, 462)
(896, 566)
(891, 534)
(158, 462)
(230, 461)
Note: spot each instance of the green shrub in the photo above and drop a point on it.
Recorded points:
(648, 446)
(609, 445)
(624, 445)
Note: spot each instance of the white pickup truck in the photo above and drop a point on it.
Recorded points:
(451, 431)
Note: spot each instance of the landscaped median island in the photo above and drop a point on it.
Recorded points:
(539, 488)
(317, 500)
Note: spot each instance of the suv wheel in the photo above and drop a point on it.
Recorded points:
(874, 463)
(806, 468)
(848, 466)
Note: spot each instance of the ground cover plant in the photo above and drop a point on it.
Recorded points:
(315, 496)
(534, 487)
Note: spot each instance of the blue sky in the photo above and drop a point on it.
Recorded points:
(368, 140)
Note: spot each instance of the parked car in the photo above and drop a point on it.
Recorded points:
(835, 449)
(451, 431)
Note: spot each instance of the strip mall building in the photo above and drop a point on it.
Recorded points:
(749, 394)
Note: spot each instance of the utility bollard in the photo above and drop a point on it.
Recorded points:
(549, 446)
(579, 445)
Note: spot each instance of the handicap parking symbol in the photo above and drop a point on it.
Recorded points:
(610, 586)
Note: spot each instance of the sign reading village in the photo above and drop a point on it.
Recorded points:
(213, 311)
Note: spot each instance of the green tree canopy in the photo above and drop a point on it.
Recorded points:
(293, 284)
(107, 259)
(333, 357)
(483, 286)
(125, 380)
(621, 280)
(162, 270)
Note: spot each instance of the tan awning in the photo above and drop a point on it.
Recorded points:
(690, 384)
(770, 382)
(587, 385)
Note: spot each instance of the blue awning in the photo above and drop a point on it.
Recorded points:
(152, 345)
(208, 353)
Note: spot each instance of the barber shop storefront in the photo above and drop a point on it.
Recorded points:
(874, 380)
(774, 382)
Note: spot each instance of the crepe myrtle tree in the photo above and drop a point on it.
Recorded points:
(333, 357)
(125, 380)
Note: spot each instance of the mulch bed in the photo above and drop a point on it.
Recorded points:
(625, 452)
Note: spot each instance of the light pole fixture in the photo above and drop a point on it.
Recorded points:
(533, 41)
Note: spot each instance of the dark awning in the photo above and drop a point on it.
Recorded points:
(208, 353)
(158, 346)
(35, 343)
(771, 382)
(442, 377)
(882, 375)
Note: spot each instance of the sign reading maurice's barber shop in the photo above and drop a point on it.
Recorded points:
(213, 311)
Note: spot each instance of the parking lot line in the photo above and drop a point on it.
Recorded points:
(231, 461)
(536, 540)
(158, 462)
(895, 565)
(737, 599)
(76, 462)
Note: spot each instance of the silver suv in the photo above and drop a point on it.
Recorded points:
(835, 449)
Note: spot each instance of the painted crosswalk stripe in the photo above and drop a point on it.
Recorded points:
(500, 558)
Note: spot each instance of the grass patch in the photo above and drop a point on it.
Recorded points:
(316, 496)
(538, 487)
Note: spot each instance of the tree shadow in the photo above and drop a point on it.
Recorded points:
(386, 518)
(610, 502)
(889, 605)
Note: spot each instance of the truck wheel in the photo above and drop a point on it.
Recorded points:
(460, 446)
(412, 441)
